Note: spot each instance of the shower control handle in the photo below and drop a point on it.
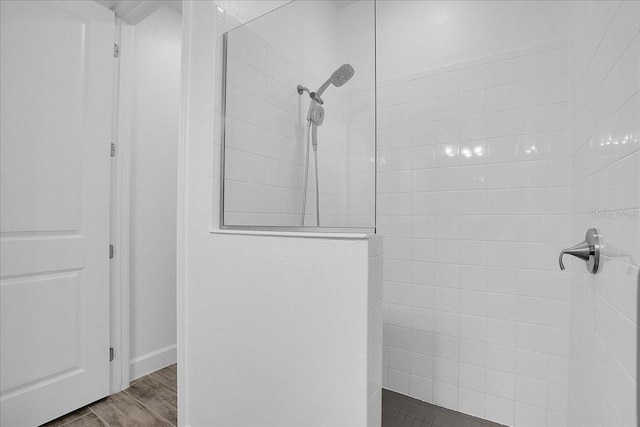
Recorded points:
(588, 251)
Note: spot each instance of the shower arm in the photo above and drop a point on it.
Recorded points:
(322, 88)
(313, 95)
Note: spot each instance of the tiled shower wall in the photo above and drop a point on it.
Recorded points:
(266, 118)
(474, 206)
(266, 137)
(604, 65)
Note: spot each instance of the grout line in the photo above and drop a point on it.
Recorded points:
(149, 409)
(77, 418)
(99, 417)
(604, 124)
(162, 381)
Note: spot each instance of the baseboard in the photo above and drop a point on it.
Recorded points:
(150, 362)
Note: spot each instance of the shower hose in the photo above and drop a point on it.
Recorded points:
(306, 179)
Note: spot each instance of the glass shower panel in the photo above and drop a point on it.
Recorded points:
(299, 94)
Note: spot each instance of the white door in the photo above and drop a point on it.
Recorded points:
(56, 72)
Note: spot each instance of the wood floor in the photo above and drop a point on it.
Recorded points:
(150, 401)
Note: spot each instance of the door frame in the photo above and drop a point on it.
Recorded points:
(119, 279)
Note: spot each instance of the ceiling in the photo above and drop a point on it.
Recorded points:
(134, 11)
(344, 3)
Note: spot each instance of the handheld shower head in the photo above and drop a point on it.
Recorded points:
(342, 75)
(338, 78)
(317, 115)
(316, 119)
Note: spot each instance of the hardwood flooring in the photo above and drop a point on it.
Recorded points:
(149, 401)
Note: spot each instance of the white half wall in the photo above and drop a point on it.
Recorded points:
(154, 148)
(287, 331)
(279, 321)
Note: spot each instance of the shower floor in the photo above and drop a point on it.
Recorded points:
(399, 410)
(151, 401)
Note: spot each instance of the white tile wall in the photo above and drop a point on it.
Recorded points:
(604, 71)
(266, 118)
(266, 136)
(473, 203)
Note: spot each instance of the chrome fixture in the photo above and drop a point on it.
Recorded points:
(338, 78)
(312, 95)
(588, 251)
(315, 118)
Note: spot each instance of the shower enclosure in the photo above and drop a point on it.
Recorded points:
(294, 158)
(482, 140)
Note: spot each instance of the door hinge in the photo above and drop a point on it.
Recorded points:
(116, 50)
(111, 251)
(112, 354)
(113, 149)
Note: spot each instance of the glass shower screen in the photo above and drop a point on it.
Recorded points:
(299, 142)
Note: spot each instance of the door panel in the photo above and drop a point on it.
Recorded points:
(57, 70)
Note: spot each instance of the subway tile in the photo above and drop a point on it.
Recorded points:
(490, 333)
(528, 415)
(499, 410)
(421, 388)
(398, 381)
(445, 107)
(502, 149)
(500, 384)
(422, 88)
(472, 103)
(472, 78)
(445, 395)
(421, 365)
(499, 73)
(399, 360)
(422, 342)
(446, 347)
(500, 98)
(445, 371)
(424, 111)
(532, 93)
(445, 84)
(501, 358)
(472, 352)
(471, 402)
(530, 67)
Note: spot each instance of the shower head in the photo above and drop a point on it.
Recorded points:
(342, 75)
(338, 78)
(317, 115)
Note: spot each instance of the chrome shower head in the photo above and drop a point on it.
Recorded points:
(342, 75)
(317, 115)
(338, 78)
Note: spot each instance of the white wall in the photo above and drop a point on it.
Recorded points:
(265, 126)
(473, 203)
(266, 122)
(604, 71)
(473, 187)
(513, 368)
(212, 268)
(414, 36)
(280, 334)
(154, 148)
